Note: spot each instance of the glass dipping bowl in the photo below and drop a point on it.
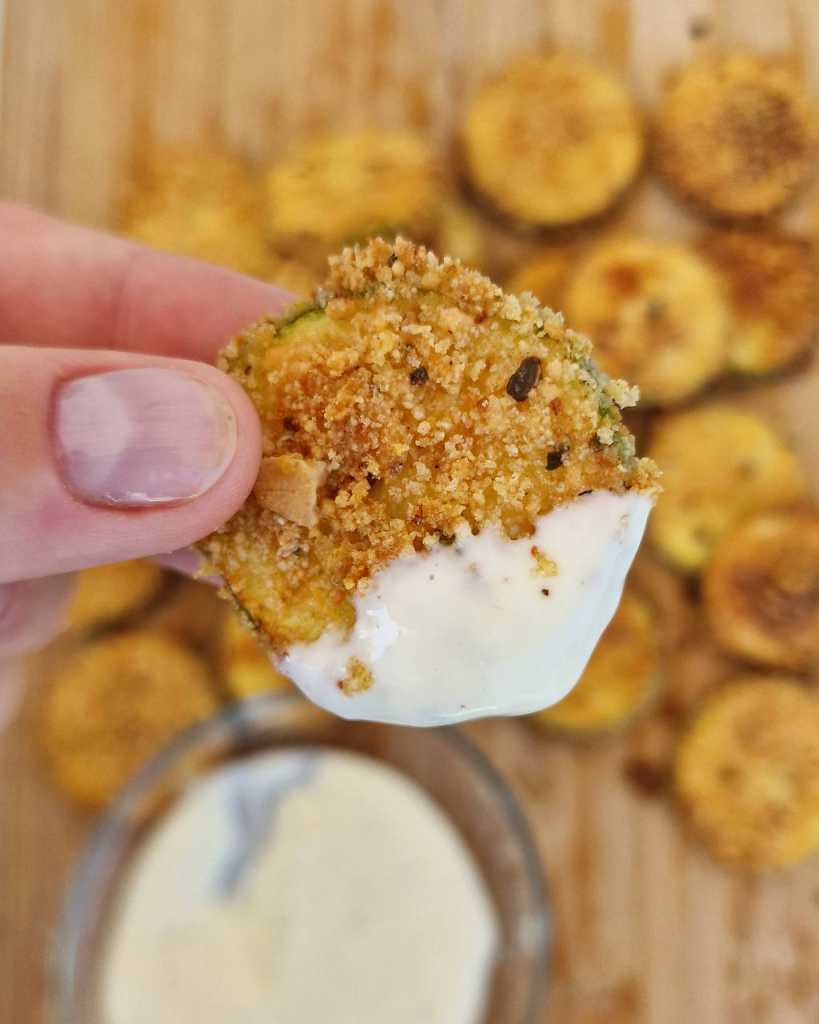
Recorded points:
(445, 764)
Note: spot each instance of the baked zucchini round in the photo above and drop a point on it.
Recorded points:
(114, 704)
(736, 134)
(720, 465)
(772, 286)
(746, 773)
(554, 141)
(656, 314)
(761, 590)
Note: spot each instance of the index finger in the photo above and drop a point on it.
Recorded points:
(66, 286)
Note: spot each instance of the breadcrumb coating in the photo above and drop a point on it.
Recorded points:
(199, 202)
(737, 133)
(436, 402)
(114, 704)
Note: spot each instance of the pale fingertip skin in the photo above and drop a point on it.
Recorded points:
(772, 286)
(736, 134)
(552, 142)
(761, 590)
(746, 773)
(720, 465)
(656, 313)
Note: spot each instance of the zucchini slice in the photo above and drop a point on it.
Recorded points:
(246, 667)
(720, 465)
(554, 141)
(546, 275)
(344, 188)
(737, 134)
(762, 590)
(746, 773)
(108, 593)
(459, 233)
(116, 703)
(198, 202)
(773, 290)
(413, 400)
(655, 313)
(621, 678)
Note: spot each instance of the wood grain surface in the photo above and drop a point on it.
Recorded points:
(649, 930)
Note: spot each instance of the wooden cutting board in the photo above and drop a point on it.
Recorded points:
(649, 930)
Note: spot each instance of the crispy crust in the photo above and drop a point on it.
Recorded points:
(246, 668)
(113, 705)
(401, 381)
(746, 773)
(720, 465)
(737, 134)
(656, 313)
(761, 590)
(772, 285)
(620, 679)
(198, 202)
(553, 141)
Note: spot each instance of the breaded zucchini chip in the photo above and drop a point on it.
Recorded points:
(107, 593)
(246, 666)
(622, 676)
(546, 275)
(746, 773)
(413, 405)
(113, 705)
(737, 134)
(198, 202)
(761, 590)
(344, 188)
(656, 313)
(720, 465)
(773, 289)
(554, 141)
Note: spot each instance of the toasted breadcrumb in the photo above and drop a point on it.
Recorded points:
(398, 381)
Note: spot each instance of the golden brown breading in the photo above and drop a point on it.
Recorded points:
(553, 141)
(746, 773)
(720, 465)
(435, 402)
(114, 704)
(737, 134)
(199, 202)
(656, 313)
(761, 590)
(773, 289)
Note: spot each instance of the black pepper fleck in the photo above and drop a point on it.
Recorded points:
(419, 375)
(372, 479)
(554, 460)
(290, 423)
(524, 379)
(545, 592)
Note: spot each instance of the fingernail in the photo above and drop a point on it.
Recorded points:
(142, 437)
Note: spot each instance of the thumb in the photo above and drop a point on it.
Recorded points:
(106, 456)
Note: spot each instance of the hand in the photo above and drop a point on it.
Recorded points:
(117, 439)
